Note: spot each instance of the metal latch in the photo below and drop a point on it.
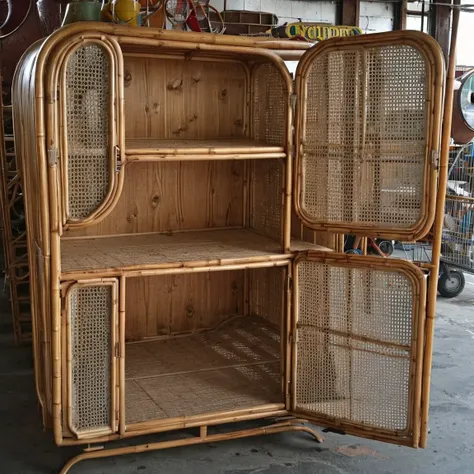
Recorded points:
(118, 159)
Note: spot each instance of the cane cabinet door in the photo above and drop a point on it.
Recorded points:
(357, 345)
(367, 134)
(92, 359)
(90, 129)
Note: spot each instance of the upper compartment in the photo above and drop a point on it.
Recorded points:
(200, 107)
(127, 99)
(368, 128)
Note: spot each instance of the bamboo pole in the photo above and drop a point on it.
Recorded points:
(121, 378)
(152, 157)
(436, 249)
(203, 438)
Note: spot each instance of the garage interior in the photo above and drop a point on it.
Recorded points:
(152, 369)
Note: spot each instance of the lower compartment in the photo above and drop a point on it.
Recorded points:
(203, 343)
(236, 366)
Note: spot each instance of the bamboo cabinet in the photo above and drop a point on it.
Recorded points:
(181, 195)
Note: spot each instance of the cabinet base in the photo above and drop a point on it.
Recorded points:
(204, 437)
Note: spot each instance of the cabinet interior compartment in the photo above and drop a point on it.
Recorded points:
(203, 104)
(204, 343)
(188, 211)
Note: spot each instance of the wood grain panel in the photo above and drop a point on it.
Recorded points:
(160, 197)
(171, 98)
(174, 304)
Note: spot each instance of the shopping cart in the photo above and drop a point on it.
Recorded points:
(457, 248)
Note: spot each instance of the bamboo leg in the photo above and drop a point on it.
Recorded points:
(203, 438)
(438, 226)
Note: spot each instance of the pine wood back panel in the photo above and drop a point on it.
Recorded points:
(173, 304)
(186, 303)
(172, 98)
(161, 197)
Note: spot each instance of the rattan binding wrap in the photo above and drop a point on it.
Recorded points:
(87, 99)
(355, 344)
(91, 334)
(363, 153)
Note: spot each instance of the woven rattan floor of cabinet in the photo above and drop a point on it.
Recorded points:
(210, 247)
(236, 366)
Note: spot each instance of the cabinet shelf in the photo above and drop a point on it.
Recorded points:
(234, 367)
(109, 256)
(148, 149)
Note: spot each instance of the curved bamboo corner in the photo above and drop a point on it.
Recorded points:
(204, 437)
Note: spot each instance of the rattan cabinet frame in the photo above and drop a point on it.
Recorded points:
(106, 253)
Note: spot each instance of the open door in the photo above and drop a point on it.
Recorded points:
(367, 134)
(357, 345)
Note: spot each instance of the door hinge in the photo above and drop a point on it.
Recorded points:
(435, 159)
(293, 103)
(117, 350)
(118, 159)
(53, 156)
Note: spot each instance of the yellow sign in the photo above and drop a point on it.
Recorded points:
(314, 32)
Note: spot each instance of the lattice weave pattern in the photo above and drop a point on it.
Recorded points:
(267, 197)
(90, 319)
(267, 285)
(354, 344)
(365, 137)
(269, 102)
(87, 117)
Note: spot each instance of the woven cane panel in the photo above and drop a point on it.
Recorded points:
(236, 366)
(354, 344)
(267, 285)
(90, 318)
(365, 137)
(267, 197)
(269, 105)
(87, 117)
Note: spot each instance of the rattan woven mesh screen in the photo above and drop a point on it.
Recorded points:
(87, 118)
(268, 108)
(267, 285)
(267, 197)
(364, 142)
(90, 315)
(354, 344)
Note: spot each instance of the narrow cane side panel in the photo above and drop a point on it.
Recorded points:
(367, 115)
(267, 197)
(358, 347)
(269, 102)
(91, 360)
(90, 130)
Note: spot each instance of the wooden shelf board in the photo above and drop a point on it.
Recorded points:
(139, 252)
(234, 367)
(224, 149)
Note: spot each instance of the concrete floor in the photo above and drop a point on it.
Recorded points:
(25, 449)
